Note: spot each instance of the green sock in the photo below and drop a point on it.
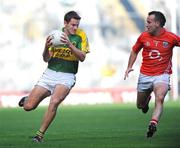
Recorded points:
(40, 134)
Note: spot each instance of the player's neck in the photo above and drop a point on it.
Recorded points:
(158, 32)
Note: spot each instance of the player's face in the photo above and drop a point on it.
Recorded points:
(72, 26)
(152, 25)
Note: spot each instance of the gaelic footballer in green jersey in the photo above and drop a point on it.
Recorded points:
(59, 77)
(62, 59)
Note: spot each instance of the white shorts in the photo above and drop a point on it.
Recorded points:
(147, 82)
(51, 78)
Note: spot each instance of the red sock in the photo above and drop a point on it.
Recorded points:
(154, 121)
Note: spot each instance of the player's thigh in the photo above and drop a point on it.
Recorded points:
(160, 90)
(145, 83)
(59, 94)
(161, 85)
(37, 94)
(144, 88)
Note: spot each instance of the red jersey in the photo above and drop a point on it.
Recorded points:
(157, 52)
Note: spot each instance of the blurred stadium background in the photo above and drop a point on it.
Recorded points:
(112, 27)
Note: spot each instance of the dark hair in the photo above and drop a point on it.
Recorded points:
(71, 14)
(159, 16)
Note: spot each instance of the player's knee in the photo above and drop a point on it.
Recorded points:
(54, 103)
(160, 99)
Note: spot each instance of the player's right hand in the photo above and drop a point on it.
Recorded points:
(48, 41)
(127, 73)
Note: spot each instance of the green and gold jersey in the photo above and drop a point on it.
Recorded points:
(63, 60)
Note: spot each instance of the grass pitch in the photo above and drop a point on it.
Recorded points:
(91, 126)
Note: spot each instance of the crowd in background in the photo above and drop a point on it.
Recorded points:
(111, 25)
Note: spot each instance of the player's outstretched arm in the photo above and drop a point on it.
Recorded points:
(127, 73)
(132, 59)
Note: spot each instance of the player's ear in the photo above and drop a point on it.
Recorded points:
(158, 24)
(65, 23)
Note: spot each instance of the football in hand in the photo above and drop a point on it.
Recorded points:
(56, 37)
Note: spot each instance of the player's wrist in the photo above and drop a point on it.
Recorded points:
(70, 45)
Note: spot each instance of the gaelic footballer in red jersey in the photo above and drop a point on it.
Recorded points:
(157, 51)
(157, 46)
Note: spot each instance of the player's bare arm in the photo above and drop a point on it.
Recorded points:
(46, 53)
(78, 53)
(132, 59)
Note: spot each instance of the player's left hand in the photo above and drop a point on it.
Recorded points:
(48, 41)
(64, 38)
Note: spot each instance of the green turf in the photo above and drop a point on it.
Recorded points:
(96, 126)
